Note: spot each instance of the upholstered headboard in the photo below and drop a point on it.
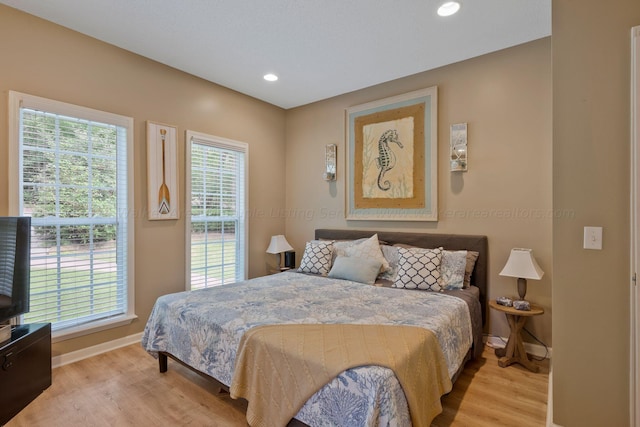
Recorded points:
(478, 244)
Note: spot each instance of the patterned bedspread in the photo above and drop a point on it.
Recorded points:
(203, 329)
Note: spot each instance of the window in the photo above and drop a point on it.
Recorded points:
(216, 226)
(71, 173)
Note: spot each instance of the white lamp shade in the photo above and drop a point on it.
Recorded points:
(522, 264)
(278, 244)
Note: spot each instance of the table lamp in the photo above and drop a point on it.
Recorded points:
(278, 245)
(523, 265)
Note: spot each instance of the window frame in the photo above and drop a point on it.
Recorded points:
(223, 143)
(18, 100)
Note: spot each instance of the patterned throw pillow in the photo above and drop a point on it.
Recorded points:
(391, 255)
(316, 258)
(452, 269)
(369, 249)
(419, 269)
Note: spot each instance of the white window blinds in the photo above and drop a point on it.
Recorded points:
(216, 224)
(74, 185)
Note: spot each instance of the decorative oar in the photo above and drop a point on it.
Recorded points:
(164, 198)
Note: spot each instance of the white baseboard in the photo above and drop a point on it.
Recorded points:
(550, 422)
(75, 356)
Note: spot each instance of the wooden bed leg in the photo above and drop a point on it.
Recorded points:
(162, 362)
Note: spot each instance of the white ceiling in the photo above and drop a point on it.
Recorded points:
(318, 48)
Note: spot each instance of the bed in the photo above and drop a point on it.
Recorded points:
(203, 329)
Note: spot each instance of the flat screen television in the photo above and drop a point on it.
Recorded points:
(15, 260)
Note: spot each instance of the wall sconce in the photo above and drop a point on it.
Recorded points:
(330, 160)
(459, 147)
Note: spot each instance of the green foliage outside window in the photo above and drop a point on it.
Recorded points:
(69, 171)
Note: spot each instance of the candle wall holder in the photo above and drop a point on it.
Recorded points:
(459, 147)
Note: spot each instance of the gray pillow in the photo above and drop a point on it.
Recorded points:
(452, 269)
(472, 256)
(361, 270)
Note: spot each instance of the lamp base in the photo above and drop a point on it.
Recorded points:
(522, 288)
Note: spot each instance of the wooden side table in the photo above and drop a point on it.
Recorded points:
(514, 351)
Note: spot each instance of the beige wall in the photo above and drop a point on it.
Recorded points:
(47, 60)
(591, 98)
(505, 98)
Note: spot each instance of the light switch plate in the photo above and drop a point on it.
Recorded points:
(592, 238)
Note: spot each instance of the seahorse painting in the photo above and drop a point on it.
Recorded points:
(386, 159)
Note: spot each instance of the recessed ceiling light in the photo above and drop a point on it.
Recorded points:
(270, 77)
(449, 8)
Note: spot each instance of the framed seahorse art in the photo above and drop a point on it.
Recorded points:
(162, 171)
(392, 158)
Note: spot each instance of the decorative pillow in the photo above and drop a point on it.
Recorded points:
(339, 246)
(369, 249)
(361, 270)
(419, 269)
(316, 258)
(452, 269)
(472, 256)
(390, 253)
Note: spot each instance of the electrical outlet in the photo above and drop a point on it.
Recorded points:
(592, 238)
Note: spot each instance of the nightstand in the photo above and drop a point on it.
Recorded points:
(514, 351)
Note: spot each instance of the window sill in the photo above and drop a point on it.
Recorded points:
(91, 328)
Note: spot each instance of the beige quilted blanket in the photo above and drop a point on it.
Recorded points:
(279, 367)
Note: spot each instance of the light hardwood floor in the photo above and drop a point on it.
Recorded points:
(124, 388)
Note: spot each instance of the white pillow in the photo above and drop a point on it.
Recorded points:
(369, 249)
(316, 258)
(339, 246)
(419, 268)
